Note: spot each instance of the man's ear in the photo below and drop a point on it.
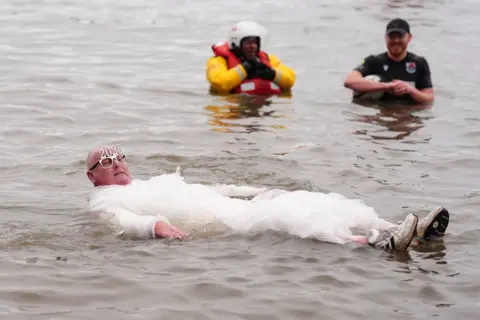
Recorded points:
(90, 176)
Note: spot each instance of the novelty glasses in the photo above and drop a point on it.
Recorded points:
(107, 161)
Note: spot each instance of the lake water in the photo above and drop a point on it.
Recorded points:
(77, 74)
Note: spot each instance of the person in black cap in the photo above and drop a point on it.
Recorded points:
(405, 75)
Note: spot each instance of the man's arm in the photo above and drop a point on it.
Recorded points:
(356, 82)
(284, 76)
(423, 92)
(355, 79)
(134, 226)
(421, 96)
(221, 78)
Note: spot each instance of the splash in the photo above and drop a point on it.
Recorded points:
(324, 216)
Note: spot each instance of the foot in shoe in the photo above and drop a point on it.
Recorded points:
(398, 238)
(434, 224)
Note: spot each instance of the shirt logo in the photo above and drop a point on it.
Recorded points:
(385, 67)
(411, 67)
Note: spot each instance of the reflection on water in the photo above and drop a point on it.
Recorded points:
(239, 107)
(432, 249)
(425, 250)
(393, 122)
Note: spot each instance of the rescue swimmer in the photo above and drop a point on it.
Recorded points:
(239, 66)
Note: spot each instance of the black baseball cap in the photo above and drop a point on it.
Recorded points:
(398, 25)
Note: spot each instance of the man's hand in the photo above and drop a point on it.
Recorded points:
(387, 86)
(401, 87)
(164, 230)
(250, 66)
(263, 71)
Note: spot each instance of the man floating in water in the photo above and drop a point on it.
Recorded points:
(146, 208)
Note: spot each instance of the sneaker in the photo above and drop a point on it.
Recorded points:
(395, 238)
(434, 224)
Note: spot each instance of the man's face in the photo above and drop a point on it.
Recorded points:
(397, 43)
(108, 166)
(250, 47)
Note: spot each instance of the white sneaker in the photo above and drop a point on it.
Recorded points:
(434, 224)
(395, 238)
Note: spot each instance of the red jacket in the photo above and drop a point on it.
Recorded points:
(250, 86)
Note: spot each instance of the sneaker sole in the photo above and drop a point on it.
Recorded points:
(404, 245)
(438, 226)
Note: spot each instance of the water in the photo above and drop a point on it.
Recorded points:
(75, 75)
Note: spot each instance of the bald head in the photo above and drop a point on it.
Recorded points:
(107, 165)
(93, 157)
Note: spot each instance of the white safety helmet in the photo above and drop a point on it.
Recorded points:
(245, 29)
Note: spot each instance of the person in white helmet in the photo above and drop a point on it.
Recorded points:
(240, 66)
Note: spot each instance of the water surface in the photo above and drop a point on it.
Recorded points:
(77, 74)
